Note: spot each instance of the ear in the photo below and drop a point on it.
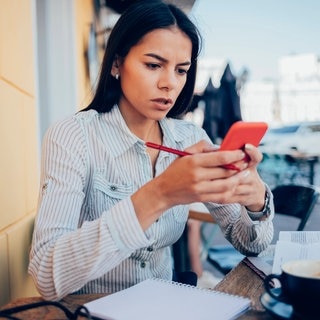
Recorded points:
(115, 70)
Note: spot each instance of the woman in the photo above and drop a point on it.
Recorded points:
(110, 208)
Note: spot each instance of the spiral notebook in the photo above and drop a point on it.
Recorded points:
(156, 299)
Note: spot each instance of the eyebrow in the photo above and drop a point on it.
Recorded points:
(153, 55)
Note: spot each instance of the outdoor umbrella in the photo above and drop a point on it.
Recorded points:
(229, 101)
(222, 106)
(212, 112)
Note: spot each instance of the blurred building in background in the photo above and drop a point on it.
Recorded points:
(299, 87)
(294, 97)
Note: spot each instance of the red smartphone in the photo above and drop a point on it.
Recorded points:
(240, 133)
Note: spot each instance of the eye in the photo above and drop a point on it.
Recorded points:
(182, 71)
(152, 65)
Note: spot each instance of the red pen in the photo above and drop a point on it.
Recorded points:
(183, 153)
(167, 149)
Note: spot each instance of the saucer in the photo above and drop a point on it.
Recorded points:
(280, 310)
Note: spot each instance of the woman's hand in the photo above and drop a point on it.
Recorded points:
(251, 189)
(200, 177)
(207, 180)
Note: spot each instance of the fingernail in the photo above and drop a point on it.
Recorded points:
(245, 173)
(249, 146)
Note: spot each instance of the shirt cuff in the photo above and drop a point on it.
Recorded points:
(266, 211)
(125, 228)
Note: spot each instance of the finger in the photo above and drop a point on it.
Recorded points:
(241, 165)
(219, 158)
(254, 154)
(201, 146)
(202, 168)
(218, 191)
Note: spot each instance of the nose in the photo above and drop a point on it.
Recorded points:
(168, 80)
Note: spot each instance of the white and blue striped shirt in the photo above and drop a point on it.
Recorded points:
(87, 238)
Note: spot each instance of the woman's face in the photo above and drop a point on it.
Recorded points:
(153, 74)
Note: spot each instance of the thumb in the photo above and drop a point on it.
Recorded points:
(253, 153)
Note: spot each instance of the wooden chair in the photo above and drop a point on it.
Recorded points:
(207, 230)
(296, 201)
(201, 216)
(180, 248)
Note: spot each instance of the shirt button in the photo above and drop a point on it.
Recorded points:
(157, 220)
(113, 188)
(149, 249)
(142, 264)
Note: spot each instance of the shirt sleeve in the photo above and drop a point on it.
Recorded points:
(245, 230)
(246, 234)
(65, 255)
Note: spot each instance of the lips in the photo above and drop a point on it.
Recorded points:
(163, 101)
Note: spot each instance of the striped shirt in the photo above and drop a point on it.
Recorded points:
(87, 238)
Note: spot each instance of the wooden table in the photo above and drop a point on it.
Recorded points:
(245, 282)
(241, 281)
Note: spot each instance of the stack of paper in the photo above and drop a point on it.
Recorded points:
(296, 245)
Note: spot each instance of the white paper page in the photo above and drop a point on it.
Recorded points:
(286, 251)
(300, 236)
(264, 261)
(262, 264)
(160, 300)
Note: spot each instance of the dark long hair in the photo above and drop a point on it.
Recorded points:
(139, 19)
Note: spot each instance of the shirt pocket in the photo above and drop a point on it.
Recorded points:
(107, 193)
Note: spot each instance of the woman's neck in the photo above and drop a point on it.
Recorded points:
(145, 129)
(149, 132)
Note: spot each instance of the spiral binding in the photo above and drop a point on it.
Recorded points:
(188, 286)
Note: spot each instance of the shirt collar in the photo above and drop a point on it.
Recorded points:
(172, 134)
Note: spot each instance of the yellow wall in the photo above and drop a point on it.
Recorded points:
(19, 167)
(18, 145)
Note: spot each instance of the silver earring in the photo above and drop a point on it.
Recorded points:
(117, 76)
